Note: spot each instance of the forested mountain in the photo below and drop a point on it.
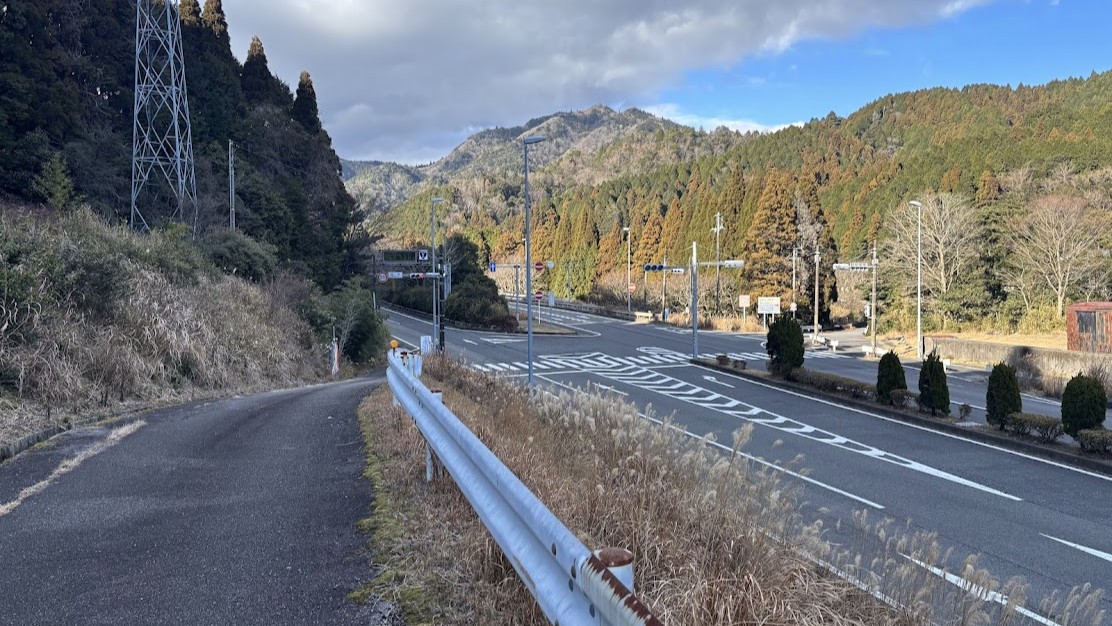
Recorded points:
(991, 158)
(584, 147)
(66, 98)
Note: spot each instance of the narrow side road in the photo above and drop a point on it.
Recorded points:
(240, 511)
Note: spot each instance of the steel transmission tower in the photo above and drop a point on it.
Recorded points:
(162, 139)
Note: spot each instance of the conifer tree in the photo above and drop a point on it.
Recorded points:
(189, 12)
(214, 20)
(649, 246)
(305, 104)
(259, 85)
(767, 246)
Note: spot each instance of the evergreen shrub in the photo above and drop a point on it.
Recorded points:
(1083, 404)
(934, 393)
(784, 345)
(889, 377)
(1002, 398)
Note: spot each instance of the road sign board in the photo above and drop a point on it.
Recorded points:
(632, 287)
(677, 270)
(422, 255)
(394, 275)
(381, 278)
(794, 307)
(493, 267)
(538, 266)
(743, 301)
(854, 267)
(768, 306)
(537, 296)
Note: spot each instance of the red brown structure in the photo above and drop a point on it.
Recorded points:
(1089, 327)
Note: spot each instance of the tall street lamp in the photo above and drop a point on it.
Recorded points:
(528, 141)
(717, 230)
(432, 255)
(629, 278)
(919, 281)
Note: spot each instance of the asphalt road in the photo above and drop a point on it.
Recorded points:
(1024, 516)
(240, 511)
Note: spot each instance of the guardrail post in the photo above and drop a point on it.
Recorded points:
(620, 563)
(433, 468)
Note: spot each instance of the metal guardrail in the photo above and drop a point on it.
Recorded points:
(572, 584)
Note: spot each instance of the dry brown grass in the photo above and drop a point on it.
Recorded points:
(716, 540)
(156, 328)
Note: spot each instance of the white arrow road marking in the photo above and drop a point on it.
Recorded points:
(718, 382)
(981, 592)
(1085, 549)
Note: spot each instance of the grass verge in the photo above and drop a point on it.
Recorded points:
(716, 540)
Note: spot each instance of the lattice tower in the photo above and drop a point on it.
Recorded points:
(163, 144)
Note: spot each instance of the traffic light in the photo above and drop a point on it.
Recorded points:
(654, 267)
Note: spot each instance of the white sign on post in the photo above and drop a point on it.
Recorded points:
(768, 306)
(743, 301)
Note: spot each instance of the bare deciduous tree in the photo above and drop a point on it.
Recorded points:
(1059, 242)
(951, 234)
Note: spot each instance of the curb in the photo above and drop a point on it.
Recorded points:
(14, 448)
(1047, 452)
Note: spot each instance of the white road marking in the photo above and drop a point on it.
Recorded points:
(470, 342)
(685, 392)
(1087, 550)
(981, 592)
(750, 457)
(924, 428)
(718, 382)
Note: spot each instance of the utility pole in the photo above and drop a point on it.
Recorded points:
(717, 230)
(794, 251)
(664, 291)
(815, 337)
(231, 184)
(517, 275)
(694, 300)
(629, 260)
(872, 308)
(435, 281)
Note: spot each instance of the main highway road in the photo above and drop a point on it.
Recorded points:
(1043, 521)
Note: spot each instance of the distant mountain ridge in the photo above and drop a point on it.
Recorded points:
(586, 146)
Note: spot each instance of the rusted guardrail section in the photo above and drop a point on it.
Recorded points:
(572, 584)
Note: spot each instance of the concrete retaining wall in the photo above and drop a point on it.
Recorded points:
(1060, 364)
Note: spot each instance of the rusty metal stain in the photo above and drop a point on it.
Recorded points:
(621, 598)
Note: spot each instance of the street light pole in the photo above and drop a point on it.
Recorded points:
(919, 282)
(629, 277)
(872, 309)
(794, 251)
(815, 337)
(529, 258)
(717, 230)
(435, 281)
(694, 300)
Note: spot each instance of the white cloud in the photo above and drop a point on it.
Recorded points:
(404, 79)
(676, 114)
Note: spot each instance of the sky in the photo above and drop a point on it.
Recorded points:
(408, 80)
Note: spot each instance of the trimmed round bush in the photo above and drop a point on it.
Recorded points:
(784, 345)
(1083, 404)
(889, 377)
(1002, 398)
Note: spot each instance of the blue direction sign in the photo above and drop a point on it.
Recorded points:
(493, 266)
